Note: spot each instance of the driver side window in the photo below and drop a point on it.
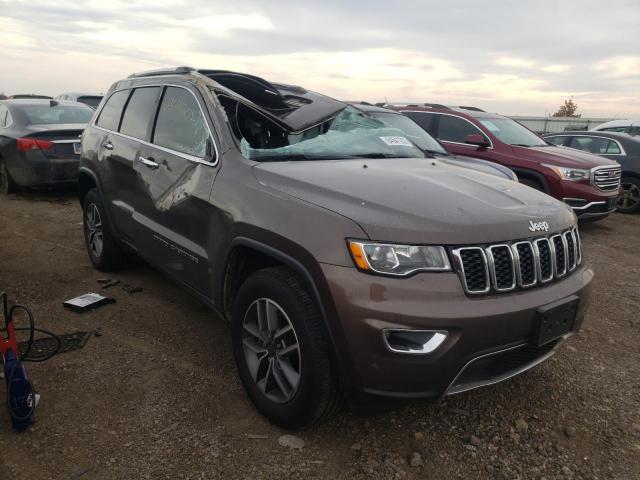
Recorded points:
(455, 129)
(180, 125)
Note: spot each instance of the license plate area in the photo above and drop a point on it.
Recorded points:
(555, 319)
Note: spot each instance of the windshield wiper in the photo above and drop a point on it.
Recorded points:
(436, 152)
(299, 157)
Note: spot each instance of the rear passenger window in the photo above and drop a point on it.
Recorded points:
(556, 140)
(425, 120)
(139, 112)
(180, 125)
(597, 145)
(112, 111)
(454, 129)
(613, 148)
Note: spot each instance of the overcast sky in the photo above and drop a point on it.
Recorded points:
(512, 57)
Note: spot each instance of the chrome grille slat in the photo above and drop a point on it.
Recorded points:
(526, 268)
(471, 278)
(503, 267)
(559, 248)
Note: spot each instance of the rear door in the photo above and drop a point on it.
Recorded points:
(118, 152)
(176, 172)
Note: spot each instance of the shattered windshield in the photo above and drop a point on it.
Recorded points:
(351, 134)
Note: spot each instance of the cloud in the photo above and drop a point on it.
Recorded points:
(513, 57)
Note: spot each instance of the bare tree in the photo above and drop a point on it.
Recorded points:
(569, 109)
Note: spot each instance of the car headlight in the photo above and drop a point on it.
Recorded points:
(393, 259)
(569, 173)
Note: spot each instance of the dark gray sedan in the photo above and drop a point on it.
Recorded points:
(40, 142)
(621, 147)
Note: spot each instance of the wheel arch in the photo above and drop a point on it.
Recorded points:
(87, 180)
(533, 175)
(246, 255)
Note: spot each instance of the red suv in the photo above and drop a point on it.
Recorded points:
(588, 183)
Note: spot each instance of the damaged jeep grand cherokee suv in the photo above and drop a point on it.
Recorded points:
(351, 258)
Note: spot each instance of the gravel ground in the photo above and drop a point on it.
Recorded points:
(156, 394)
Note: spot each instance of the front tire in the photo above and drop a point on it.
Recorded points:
(282, 357)
(629, 201)
(101, 244)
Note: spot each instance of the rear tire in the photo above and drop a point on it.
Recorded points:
(102, 246)
(7, 185)
(282, 357)
(630, 199)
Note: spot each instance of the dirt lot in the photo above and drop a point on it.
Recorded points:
(156, 395)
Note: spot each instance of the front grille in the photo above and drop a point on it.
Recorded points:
(507, 266)
(607, 178)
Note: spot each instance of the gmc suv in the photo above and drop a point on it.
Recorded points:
(352, 257)
(589, 184)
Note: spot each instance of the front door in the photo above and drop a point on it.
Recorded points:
(176, 171)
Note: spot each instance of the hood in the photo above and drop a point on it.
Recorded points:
(562, 157)
(423, 201)
(485, 166)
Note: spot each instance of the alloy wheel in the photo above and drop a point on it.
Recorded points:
(630, 196)
(93, 222)
(271, 350)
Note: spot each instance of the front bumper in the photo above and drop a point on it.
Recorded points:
(367, 305)
(592, 210)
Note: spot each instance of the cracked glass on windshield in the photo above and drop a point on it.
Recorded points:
(351, 134)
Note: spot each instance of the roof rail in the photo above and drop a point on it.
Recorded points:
(474, 109)
(435, 105)
(163, 71)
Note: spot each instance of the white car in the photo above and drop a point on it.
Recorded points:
(631, 127)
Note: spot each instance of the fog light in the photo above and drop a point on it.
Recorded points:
(413, 341)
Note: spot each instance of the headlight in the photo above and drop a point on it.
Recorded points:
(569, 173)
(398, 259)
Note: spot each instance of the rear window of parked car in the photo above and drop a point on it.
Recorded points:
(112, 111)
(93, 102)
(139, 112)
(46, 114)
(597, 145)
(180, 125)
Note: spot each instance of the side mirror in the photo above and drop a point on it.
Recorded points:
(476, 139)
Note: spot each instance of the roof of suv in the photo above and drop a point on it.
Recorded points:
(468, 111)
(286, 105)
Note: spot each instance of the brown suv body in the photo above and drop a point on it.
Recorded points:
(218, 222)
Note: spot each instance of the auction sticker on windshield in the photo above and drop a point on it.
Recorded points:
(396, 141)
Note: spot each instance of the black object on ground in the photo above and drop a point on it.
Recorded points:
(87, 301)
(47, 347)
(131, 288)
(110, 283)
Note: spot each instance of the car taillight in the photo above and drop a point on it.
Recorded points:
(26, 144)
